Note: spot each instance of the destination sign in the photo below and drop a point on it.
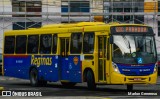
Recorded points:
(131, 29)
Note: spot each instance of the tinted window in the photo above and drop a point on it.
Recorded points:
(45, 44)
(54, 49)
(76, 43)
(9, 44)
(33, 42)
(21, 44)
(88, 43)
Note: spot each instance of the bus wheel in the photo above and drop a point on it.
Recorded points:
(68, 84)
(90, 81)
(129, 87)
(34, 77)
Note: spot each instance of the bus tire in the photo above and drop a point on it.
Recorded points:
(90, 81)
(68, 84)
(130, 87)
(34, 77)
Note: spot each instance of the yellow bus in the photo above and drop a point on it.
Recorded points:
(92, 52)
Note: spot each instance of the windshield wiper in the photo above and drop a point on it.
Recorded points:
(128, 45)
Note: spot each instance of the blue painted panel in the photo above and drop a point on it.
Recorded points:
(70, 69)
(75, 74)
(64, 68)
(129, 70)
(47, 67)
(17, 66)
(50, 68)
(73, 65)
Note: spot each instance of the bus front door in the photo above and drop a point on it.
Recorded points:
(102, 58)
(64, 49)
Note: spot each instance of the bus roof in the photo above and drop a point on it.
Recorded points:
(69, 28)
(80, 24)
(90, 23)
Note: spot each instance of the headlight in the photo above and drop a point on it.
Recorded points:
(115, 67)
(155, 67)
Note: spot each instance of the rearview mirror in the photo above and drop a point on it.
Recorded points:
(111, 39)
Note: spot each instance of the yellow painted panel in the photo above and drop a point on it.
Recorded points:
(64, 35)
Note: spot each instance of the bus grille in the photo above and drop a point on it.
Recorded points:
(136, 73)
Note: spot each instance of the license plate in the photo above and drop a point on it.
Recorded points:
(137, 79)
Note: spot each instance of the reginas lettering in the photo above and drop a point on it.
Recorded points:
(40, 60)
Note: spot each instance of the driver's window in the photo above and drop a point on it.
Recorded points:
(149, 45)
(140, 45)
(117, 51)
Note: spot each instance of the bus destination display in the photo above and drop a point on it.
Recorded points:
(131, 29)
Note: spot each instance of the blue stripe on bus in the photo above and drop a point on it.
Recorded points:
(144, 70)
(50, 68)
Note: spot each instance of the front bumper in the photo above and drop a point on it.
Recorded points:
(117, 78)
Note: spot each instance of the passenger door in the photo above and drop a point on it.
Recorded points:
(64, 49)
(102, 58)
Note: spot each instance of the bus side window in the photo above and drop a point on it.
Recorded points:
(88, 43)
(9, 45)
(76, 43)
(54, 48)
(33, 42)
(21, 44)
(45, 43)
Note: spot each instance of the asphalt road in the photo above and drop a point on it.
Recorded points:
(80, 90)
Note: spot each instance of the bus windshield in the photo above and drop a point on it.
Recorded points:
(128, 48)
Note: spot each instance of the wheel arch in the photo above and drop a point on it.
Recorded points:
(31, 69)
(85, 74)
